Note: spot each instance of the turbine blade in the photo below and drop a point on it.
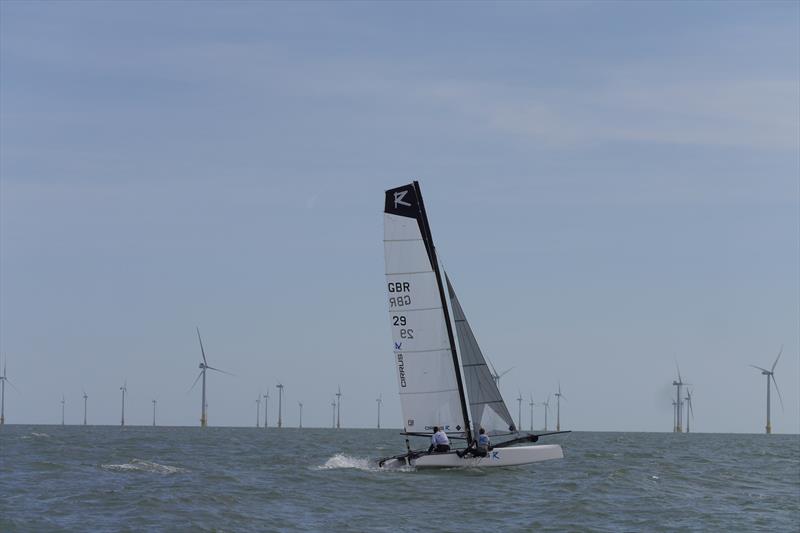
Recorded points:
(680, 379)
(494, 370)
(506, 372)
(195, 382)
(202, 351)
(12, 385)
(218, 370)
(758, 367)
(776, 359)
(777, 390)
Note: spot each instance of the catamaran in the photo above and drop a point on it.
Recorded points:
(442, 375)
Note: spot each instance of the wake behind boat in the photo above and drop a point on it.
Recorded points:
(443, 377)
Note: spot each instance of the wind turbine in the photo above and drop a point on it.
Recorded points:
(519, 412)
(301, 414)
(124, 389)
(771, 374)
(339, 408)
(546, 409)
(279, 386)
(203, 367)
(531, 404)
(497, 376)
(679, 402)
(558, 407)
(266, 404)
(85, 398)
(63, 401)
(154, 412)
(689, 410)
(380, 401)
(258, 410)
(3, 380)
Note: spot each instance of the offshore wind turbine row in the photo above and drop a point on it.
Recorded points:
(683, 410)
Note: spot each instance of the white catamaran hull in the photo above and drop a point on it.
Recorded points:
(512, 456)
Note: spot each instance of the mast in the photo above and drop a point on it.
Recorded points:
(446, 310)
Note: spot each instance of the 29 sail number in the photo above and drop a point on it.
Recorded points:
(399, 297)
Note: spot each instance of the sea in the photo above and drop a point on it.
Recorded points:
(101, 478)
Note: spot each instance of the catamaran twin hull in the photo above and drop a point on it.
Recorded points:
(519, 455)
(443, 379)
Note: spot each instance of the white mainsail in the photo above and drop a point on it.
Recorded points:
(486, 404)
(431, 392)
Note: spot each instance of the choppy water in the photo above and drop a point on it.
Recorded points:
(56, 478)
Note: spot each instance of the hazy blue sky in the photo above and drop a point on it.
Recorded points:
(611, 186)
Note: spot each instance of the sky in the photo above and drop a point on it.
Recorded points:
(613, 188)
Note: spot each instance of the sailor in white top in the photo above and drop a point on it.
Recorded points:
(439, 441)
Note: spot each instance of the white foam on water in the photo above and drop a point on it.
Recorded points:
(40, 435)
(137, 465)
(341, 460)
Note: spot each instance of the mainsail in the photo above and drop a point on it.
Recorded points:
(486, 404)
(428, 373)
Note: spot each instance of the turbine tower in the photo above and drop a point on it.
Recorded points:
(3, 396)
(3, 380)
(124, 389)
(689, 410)
(674, 415)
(333, 414)
(519, 412)
(678, 401)
(531, 404)
(558, 407)
(154, 412)
(301, 414)
(63, 401)
(85, 398)
(258, 410)
(379, 401)
(279, 386)
(339, 408)
(203, 367)
(546, 409)
(266, 404)
(771, 375)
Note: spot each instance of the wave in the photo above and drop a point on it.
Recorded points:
(341, 460)
(137, 465)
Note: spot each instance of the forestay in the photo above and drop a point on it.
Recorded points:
(423, 350)
(487, 408)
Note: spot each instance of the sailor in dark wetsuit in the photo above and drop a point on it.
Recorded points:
(439, 441)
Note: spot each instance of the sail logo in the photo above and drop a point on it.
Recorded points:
(398, 199)
(401, 369)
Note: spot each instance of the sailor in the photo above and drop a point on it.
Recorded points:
(482, 449)
(478, 448)
(439, 441)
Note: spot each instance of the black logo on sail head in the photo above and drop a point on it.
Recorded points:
(398, 199)
(410, 422)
